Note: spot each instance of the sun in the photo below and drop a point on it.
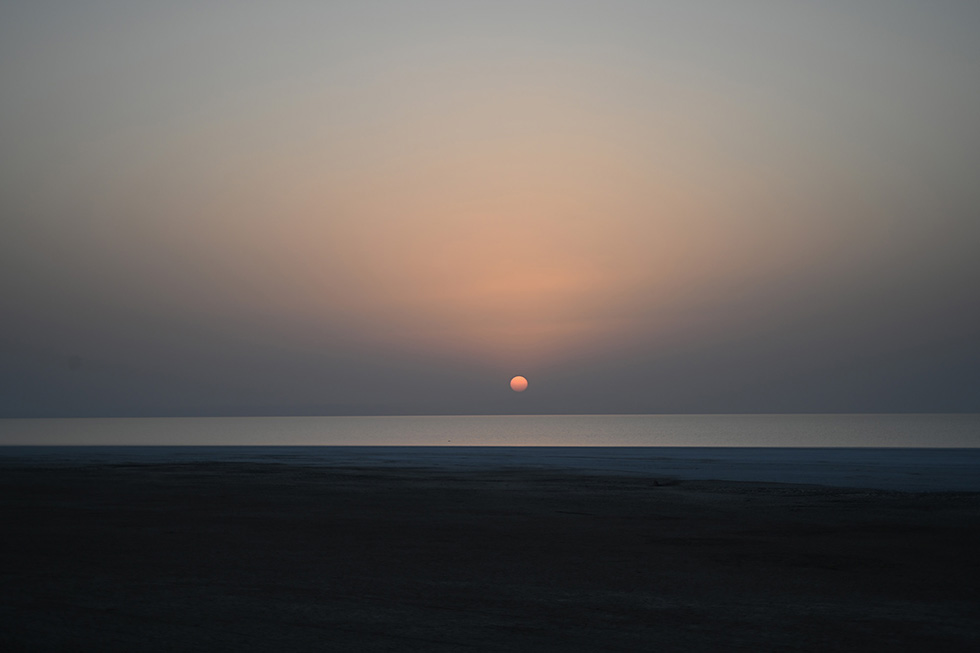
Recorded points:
(518, 384)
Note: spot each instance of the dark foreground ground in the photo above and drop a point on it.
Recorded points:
(233, 557)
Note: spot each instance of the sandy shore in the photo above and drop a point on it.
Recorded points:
(267, 557)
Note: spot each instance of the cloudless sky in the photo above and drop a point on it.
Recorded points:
(393, 207)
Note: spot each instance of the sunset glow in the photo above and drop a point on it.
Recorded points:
(313, 204)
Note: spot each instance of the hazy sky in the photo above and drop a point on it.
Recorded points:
(393, 207)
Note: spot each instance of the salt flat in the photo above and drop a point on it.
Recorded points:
(255, 556)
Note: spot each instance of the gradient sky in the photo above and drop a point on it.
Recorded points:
(248, 208)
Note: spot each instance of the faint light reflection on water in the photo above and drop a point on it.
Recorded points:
(887, 452)
(893, 430)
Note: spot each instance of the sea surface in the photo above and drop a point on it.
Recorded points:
(891, 430)
(922, 453)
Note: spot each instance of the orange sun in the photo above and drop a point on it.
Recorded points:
(518, 384)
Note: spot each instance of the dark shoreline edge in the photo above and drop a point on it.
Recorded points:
(912, 470)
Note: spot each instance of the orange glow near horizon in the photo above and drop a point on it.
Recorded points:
(500, 221)
(389, 207)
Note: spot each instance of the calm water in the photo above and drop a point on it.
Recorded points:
(890, 452)
(955, 431)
